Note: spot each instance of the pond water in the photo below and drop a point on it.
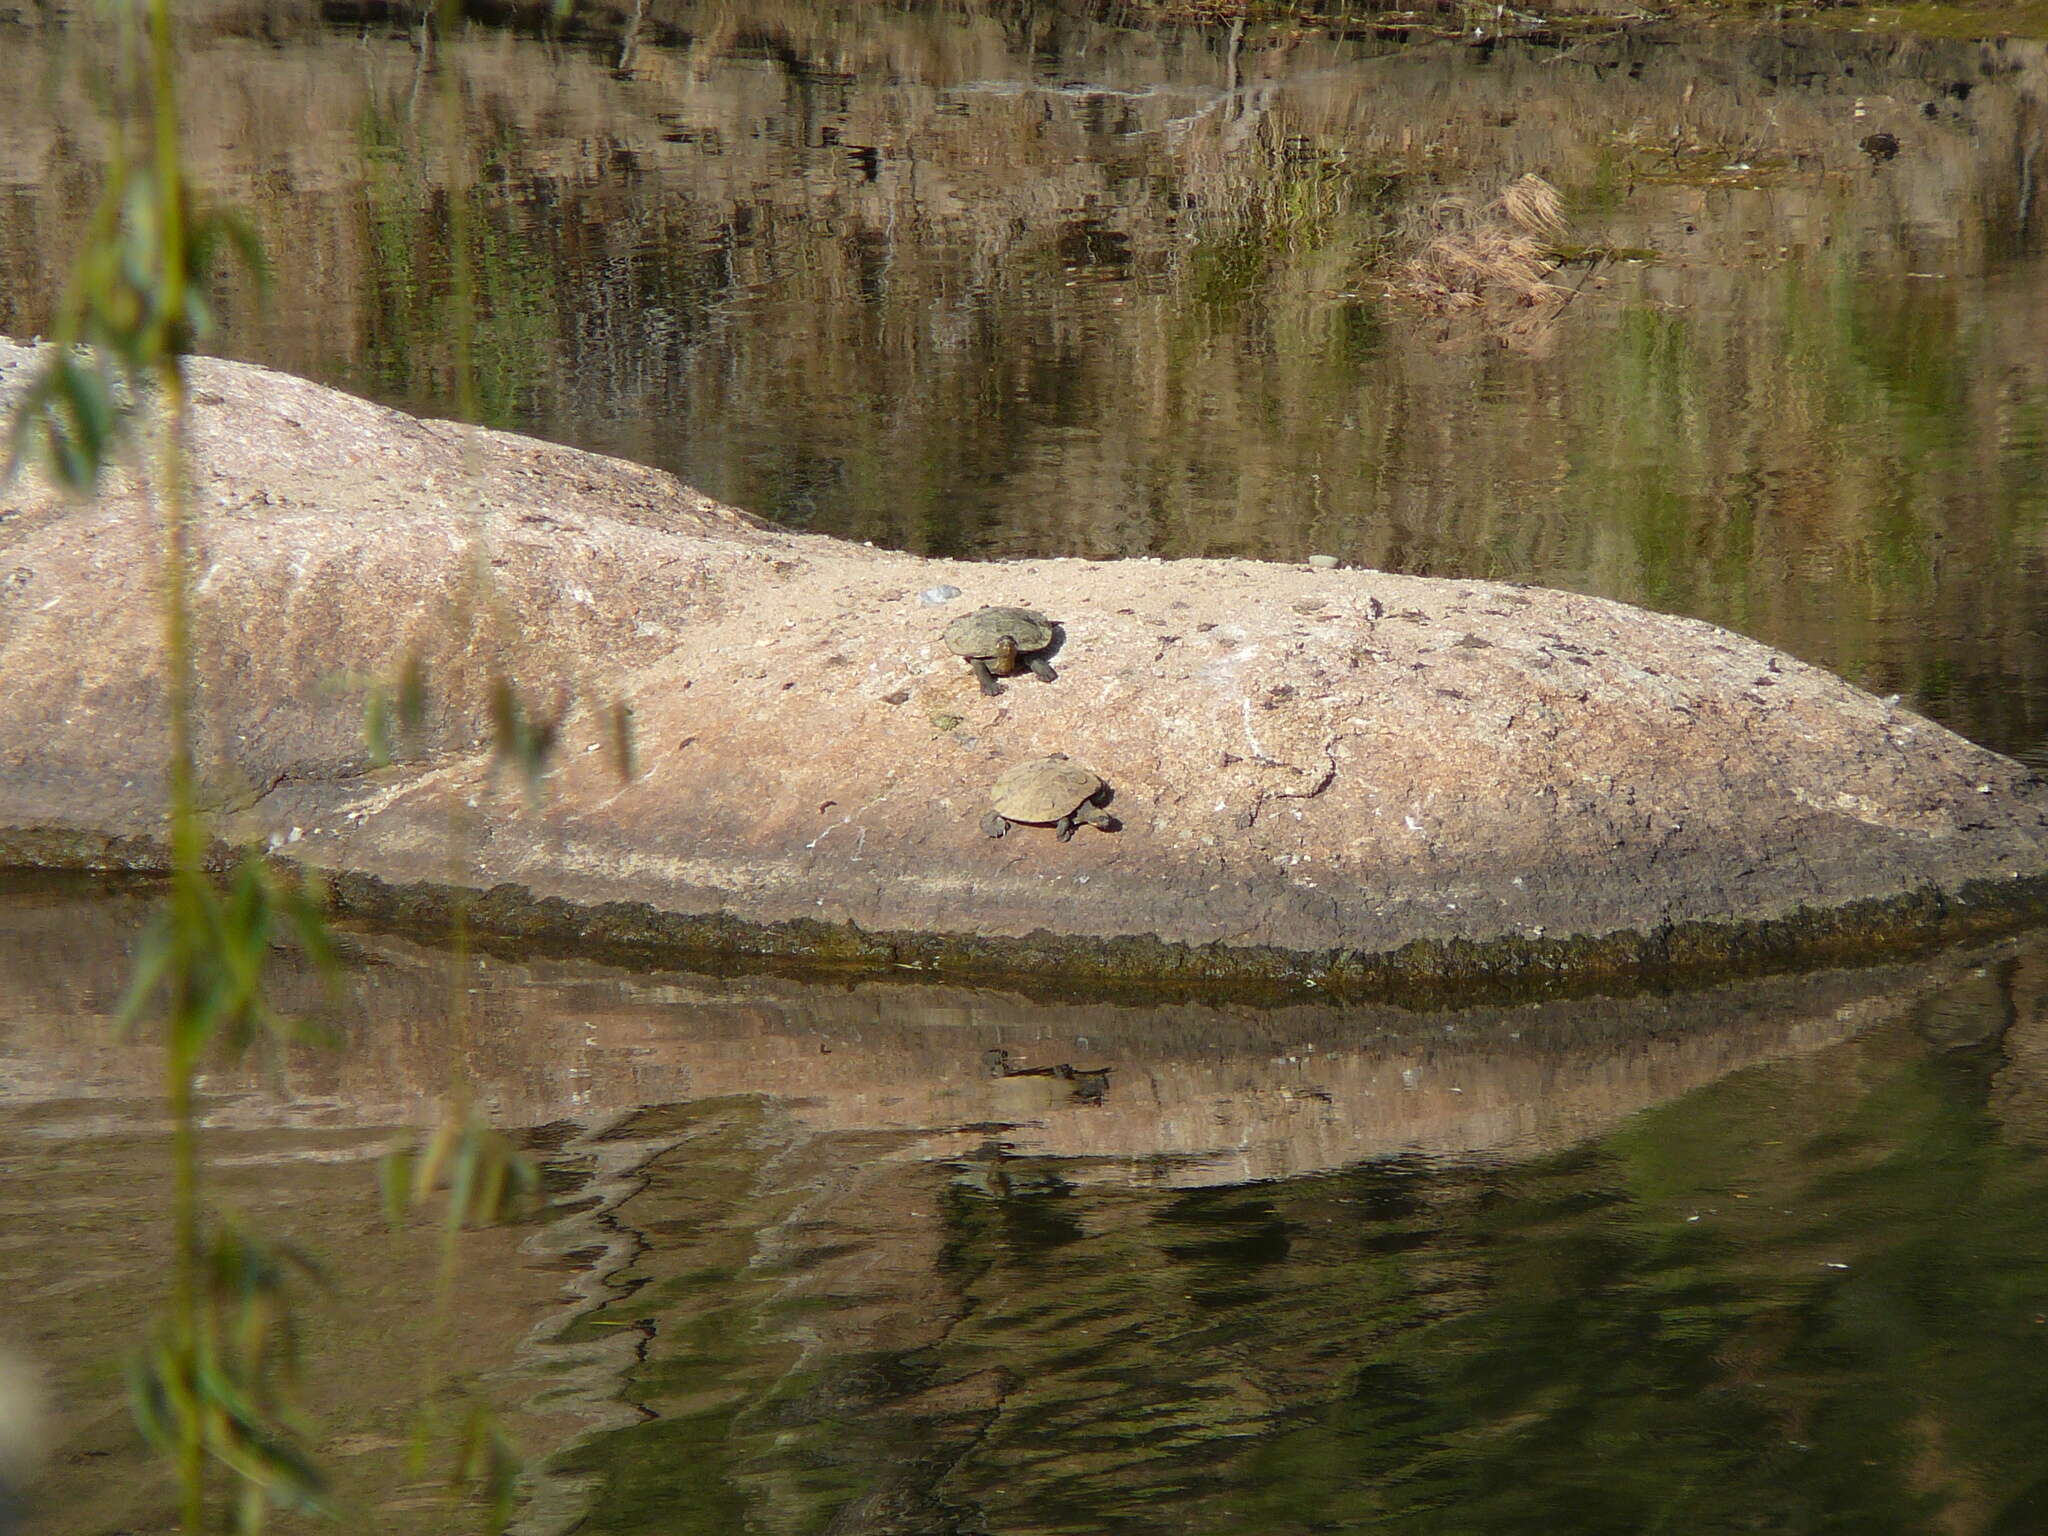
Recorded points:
(1057, 279)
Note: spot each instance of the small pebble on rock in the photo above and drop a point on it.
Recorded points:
(936, 595)
(1324, 562)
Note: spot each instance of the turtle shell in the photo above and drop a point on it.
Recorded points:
(1043, 790)
(979, 633)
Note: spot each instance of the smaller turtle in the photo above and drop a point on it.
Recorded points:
(999, 642)
(1049, 791)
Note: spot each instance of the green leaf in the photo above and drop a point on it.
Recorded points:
(153, 959)
(227, 227)
(485, 1178)
(520, 738)
(489, 1464)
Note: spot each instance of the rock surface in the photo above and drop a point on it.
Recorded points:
(1314, 771)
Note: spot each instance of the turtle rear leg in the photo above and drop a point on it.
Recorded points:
(986, 678)
(1041, 669)
(994, 825)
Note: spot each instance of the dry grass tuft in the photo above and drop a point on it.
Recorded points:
(1532, 205)
(1499, 257)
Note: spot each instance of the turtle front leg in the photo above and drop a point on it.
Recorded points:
(994, 825)
(1041, 669)
(986, 678)
(1066, 824)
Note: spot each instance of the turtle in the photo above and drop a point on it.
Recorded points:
(1047, 791)
(999, 642)
(1091, 1084)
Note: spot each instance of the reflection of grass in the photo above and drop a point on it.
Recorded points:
(1356, 334)
(409, 348)
(1605, 190)
(1890, 354)
(2021, 18)
(1711, 167)
(1655, 389)
(516, 314)
(393, 187)
(1857, 439)
(2008, 18)
(1567, 254)
(1224, 273)
(1301, 212)
(698, 1283)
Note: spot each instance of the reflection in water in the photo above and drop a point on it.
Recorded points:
(1008, 278)
(875, 1259)
(1171, 1096)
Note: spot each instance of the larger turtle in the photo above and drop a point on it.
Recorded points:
(1048, 791)
(1000, 642)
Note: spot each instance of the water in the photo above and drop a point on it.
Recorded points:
(1771, 1257)
(1040, 279)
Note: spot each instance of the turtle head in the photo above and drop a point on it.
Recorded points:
(1005, 657)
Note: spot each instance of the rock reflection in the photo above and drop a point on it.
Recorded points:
(1172, 1095)
(1803, 1297)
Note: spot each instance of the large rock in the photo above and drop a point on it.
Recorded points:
(1320, 775)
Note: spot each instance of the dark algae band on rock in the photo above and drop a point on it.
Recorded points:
(1049, 966)
(1424, 974)
(1403, 785)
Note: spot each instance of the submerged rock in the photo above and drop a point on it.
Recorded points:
(1319, 775)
